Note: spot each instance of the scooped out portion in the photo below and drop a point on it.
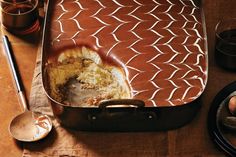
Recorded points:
(79, 77)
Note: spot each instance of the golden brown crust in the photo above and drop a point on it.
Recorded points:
(82, 80)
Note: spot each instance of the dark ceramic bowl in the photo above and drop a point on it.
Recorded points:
(218, 110)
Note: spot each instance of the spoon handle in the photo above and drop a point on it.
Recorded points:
(15, 72)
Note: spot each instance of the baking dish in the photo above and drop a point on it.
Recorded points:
(161, 45)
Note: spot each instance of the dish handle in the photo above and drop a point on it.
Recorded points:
(121, 103)
(125, 111)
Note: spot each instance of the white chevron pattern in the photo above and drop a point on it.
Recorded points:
(160, 43)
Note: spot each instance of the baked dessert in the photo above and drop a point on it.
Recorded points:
(161, 44)
(80, 78)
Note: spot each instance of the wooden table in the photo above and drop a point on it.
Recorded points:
(192, 139)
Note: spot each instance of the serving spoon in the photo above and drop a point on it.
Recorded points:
(27, 126)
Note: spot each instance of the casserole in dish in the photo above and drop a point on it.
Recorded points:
(157, 48)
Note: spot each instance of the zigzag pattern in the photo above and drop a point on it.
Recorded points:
(160, 43)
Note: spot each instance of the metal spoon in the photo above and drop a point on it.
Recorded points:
(28, 126)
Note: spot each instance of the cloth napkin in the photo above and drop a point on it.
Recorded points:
(62, 142)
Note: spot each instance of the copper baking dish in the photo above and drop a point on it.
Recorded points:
(161, 46)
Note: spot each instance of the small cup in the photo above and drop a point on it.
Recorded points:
(225, 47)
(20, 16)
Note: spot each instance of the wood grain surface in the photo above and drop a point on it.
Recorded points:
(190, 140)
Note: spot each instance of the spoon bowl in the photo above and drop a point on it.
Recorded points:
(28, 128)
